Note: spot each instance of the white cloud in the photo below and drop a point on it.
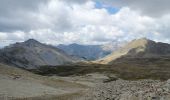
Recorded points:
(154, 8)
(60, 21)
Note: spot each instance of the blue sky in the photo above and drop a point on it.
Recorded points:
(109, 8)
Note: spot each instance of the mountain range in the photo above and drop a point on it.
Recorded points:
(139, 48)
(139, 59)
(90, 52)
(31, 54)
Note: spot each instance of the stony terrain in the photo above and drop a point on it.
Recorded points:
(100, 89)
(130, 90)
(22, 85)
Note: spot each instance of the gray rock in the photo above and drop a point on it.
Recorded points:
(32, 54)
(129, 90)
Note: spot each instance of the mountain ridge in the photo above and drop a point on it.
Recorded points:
(138, 48)
(31, 54)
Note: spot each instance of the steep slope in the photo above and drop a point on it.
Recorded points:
(140, 48)
(89, 52)
(31, 54)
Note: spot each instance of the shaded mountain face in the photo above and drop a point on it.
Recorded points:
(88, 52)
(31, 54)
(140, 48)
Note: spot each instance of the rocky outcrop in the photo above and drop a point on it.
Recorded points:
(130, 90)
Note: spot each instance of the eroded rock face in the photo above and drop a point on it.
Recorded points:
(130, 90)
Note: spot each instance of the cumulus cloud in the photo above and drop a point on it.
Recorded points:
(69, 21)
(154, 8)
(18, 14)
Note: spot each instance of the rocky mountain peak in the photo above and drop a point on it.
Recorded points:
(32, 54)
(31, 42)
(139, 48)
(139, 43)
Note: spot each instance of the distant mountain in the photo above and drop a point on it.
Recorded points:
(31, 54)
(140, 48)
(88, 52)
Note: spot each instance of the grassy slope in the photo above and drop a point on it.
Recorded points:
(126, 68)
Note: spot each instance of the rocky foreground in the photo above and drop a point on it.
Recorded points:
(17, 84)
(130, 90)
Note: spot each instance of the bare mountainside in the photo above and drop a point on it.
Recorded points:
(140, 48)
(31, 54)
(139, 59)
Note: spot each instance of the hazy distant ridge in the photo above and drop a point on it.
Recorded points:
(89, 52)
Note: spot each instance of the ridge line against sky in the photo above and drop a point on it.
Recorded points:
(83, 21)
